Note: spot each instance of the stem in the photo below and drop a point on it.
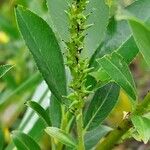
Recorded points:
(115, 135)
(78, 66)
(63, 125)
(53, 144)
(80, 131)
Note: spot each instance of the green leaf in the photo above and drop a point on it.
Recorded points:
(43, 45)
(58, 16)
(101, 75)
(30, 122)
(55, 116)
(141, 124)
(99, 17)
(24, 142)
(101, 105)
(61, 136)
(2, 141)
(128, 50)
(118, 32)
(118, 70)
(40, 111)
(142, 37)
(94, 136)
(4, 69)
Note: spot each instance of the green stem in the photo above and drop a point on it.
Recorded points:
(63, 125)
(80, 131)
(114, 136)
(53, 144)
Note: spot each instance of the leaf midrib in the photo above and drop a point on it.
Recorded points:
(87, 126)
(120, 73)
(38, 49)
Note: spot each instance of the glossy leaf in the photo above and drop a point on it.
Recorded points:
(101, 105)
(118, 70)
(4, 69)
(61, 136)
(141, 124)
(40, 111)
(142, 37)
(43, 45)
(93, 137)
(24, 142)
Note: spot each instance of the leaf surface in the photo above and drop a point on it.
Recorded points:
(61, 136)
(118, 70)
(142, 124)
(4, 69)
(99, 18)
(93, 137)
(40, 111)
(46, 52)
(24, 142)
(141, 35)
(101, 105)
(118, 32)
(55, 112)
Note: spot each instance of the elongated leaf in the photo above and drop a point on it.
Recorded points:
(119, 72)
(4, 69)
(43, 45)
(58, 16)
(142, 37)
(30, 119)
(1, 139)
(56, 116)
(142, 125)
(93, 137)
(40, 111)
(24, 142)
(101, 105)
(99, 17)
(60, 136)
(128, 50)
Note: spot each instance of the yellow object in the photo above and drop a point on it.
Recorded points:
(123, 107)
(7, 135)
(3, 37)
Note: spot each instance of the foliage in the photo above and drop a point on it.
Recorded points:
(83, 50)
